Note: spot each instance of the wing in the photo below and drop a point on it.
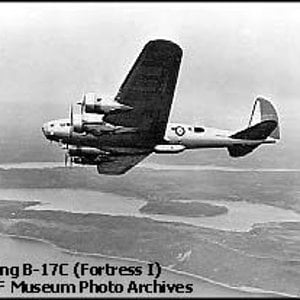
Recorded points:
(149, 88)
(119, 164)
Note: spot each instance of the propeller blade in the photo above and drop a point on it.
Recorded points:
(71, 115)
(71, 121)
(83, 104)
(66, 159)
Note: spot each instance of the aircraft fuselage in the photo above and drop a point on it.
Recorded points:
(191, 137)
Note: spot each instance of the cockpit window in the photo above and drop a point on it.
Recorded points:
(68, 124)
(51, 125)
(198, 129)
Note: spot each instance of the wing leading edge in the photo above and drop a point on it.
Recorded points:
(149, 88)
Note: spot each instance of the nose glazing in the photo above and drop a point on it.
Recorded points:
(45, 129)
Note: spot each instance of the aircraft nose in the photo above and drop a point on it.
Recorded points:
(45, 130)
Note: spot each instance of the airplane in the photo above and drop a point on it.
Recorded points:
(117, 133)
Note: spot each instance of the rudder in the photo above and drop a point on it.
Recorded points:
(267, 113)
(268, 126)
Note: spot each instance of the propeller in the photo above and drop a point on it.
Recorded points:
(82, 104)
(68, 158)
(71, 121)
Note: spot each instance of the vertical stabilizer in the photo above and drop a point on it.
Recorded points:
(267, 113)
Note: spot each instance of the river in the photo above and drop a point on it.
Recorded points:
(241, 215)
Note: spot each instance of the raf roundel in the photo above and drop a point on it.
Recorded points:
(180, 131)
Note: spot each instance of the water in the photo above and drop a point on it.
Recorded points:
(31, 165)
(241, 215)
(82, 201)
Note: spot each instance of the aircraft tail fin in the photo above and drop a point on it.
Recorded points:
(267, 112)
(268, 126)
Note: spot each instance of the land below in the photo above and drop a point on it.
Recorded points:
(266, 257)
(235, 259)
(272, 188)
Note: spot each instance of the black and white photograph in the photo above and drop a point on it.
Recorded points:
(149, 149)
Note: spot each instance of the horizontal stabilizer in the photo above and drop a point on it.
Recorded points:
(257, 132)
(241, 150)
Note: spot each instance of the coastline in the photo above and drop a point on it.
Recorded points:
(236, 270)
(249, 290)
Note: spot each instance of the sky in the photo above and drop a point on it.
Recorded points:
(53, 53)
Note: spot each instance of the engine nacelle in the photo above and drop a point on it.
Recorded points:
(169, 148)
(83, 161)
(88, 156)
(92, 119)
(81, 122)
(96, 105)
(85, 151)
